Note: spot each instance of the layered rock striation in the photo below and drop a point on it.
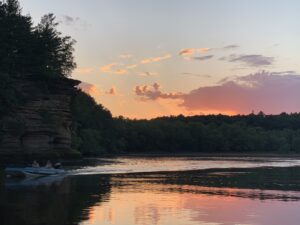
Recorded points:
(41, 124)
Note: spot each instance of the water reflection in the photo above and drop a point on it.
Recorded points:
(208, 197)
(155, 207)
(68, 201)
(155, 164)
(176, 198)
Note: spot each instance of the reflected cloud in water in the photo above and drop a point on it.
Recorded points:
(170, 204)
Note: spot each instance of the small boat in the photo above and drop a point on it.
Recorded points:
(32, 171)
(32, 182)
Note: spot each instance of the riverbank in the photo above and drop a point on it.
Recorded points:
(193, 154)
(28, 159)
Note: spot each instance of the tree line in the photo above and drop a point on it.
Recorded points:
(254, 133)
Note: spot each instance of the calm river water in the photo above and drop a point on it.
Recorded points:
(159, 191)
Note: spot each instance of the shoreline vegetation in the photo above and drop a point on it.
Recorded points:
(202, 155)
(40, 58)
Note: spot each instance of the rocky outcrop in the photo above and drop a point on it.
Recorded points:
(41, 125)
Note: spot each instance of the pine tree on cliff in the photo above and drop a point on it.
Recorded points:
(15, 38)
(55, 52)
(24, 49)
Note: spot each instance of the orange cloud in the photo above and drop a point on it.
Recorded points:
(119, 71)
(84, 70)
(155, 59)
(110, 68)
(112, 91)
(153, 92)
(121, 68)
(89, 89)
(192, 51)
(131, 66)
(107, 68)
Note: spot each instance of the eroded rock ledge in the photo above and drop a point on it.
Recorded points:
(41, 124)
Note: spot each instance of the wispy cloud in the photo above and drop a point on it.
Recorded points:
(111, 69)
(192, 51)
(250, 60)
(147, 74)
(73, 21)
(230, 47)
(196, 75)
(155, 59)
(69, 20)
(132, 66)
(126, 56)
(119, 72)
(201, 58)
(122, 68)
(108, 67)
(189, 52)
(195, 53)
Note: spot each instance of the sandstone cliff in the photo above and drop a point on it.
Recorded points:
(41, 124)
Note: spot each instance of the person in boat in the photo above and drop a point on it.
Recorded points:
(48, 165)
(35, 164)
(57, 165)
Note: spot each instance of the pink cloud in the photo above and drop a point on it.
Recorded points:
(269, 92)
(108, 67)
(153, 92)
(89, 89)
(264, 91)
(111, 69)
(155, 59)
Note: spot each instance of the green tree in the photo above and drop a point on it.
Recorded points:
(54, 51)
(15, 39)
(27, 50)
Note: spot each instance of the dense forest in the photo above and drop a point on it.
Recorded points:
(200, 134)
(44, 54)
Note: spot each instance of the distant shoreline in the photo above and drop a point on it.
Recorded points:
(195, 154)
(20, 160)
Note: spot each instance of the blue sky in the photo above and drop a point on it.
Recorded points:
(259, 35)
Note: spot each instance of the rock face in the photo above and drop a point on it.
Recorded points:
(41, 125)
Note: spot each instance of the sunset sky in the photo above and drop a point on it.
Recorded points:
(143, 59)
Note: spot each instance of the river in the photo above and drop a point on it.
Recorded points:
(159, 191)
